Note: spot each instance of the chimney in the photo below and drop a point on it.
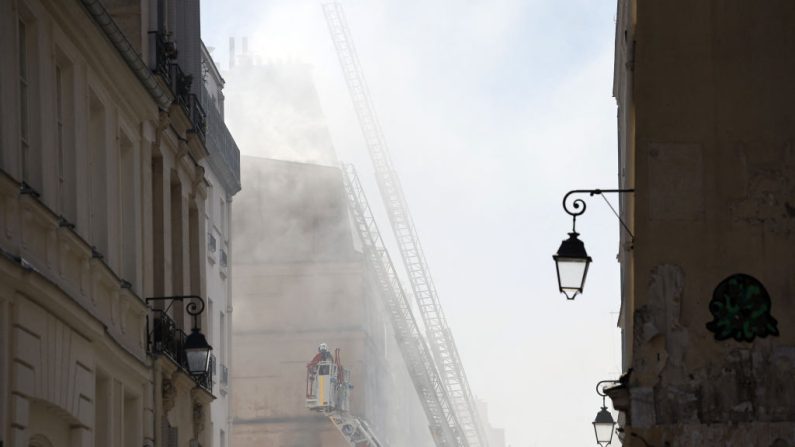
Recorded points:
(231, 53)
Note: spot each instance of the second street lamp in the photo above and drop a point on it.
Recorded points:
(197, 352)
(603, 424)
(195, 348)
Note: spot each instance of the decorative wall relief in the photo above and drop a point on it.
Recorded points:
(741, 309)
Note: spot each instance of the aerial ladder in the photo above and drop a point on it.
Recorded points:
(440, 338)
(443, 423)
(328, 387)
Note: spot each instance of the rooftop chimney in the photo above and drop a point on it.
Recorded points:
(231, 53)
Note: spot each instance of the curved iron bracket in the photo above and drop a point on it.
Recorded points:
(576, 207)
(194, 308)
(600, 388)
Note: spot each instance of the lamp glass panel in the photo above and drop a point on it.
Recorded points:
(604, 432)
(198, 360)
(571, 273)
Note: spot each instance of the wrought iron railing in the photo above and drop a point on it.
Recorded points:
(165, 55)
(196, 115)
(180, 84)
(166, 338)
(206, 380)
(224, 153)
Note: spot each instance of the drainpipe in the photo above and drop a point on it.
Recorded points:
(141, 70)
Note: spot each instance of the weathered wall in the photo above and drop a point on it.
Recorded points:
(708, 139)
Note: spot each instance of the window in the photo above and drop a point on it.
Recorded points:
(222, 339)
(158, 228)
(128, 214)
(178, 249)
(24, 106)
(210, 211)
(102, 419)
(211, 242)
(224, 260)
(133, 428)
(222, 218)
(210, 325)
(97, 174)
(66, 199)
(59, 138)
(194, 243)
(29, 139)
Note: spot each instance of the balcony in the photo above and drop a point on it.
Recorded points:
(224, 153)
(165, 55)
(180, 84)
(165, 338)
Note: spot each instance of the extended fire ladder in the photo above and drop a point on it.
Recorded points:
(429, 386)
(439, 335)
(355, 430)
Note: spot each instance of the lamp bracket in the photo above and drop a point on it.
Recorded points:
(576, 207)
(194, 308)
(602, 385)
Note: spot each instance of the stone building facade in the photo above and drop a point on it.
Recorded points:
(102, 136)
(706, 132)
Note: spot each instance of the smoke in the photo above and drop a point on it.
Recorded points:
(273, 111)
(493, 110)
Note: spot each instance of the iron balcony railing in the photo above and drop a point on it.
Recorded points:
(206, 380)
(165, 55)
(180, 84)
(224, 153)
(166, 338)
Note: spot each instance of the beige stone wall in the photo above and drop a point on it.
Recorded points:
(706, 136)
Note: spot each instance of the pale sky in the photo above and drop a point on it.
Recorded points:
(492, 110)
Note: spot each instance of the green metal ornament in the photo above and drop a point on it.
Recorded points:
(741, 309)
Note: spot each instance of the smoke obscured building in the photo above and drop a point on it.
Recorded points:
(706, 131)
(276, 110)
(300, 281)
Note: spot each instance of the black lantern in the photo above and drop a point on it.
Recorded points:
(604, 426)
(197, 352)
(572, 263)
(572, 260)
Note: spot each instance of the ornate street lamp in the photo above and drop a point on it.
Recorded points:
(572, 263)
(196, 348)
(571, 260)
(197, 351)
(603, 424)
